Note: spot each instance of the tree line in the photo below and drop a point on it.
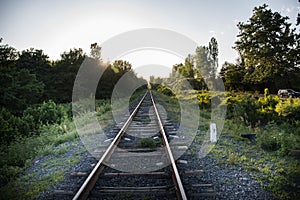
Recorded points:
(29, 77)
(268, 49)
(267, 44)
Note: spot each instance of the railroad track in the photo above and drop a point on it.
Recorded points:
(145, 124)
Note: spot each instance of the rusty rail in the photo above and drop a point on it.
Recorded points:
(175, 174)
(90, 182)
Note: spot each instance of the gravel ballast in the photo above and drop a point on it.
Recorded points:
(229, 182)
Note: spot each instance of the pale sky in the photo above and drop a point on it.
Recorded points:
(56, 26)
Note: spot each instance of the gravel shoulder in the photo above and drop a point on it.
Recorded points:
(229, 182)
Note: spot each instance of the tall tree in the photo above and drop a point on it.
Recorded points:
(189, 67)
(19, 89)
(203, 63)
(34, 60)
(73, 57)
(37, 63)
(214, 52)
(64, 74)
(96, 51)
(8, 55)
(121, 66)
(267, 45)
(232, 76)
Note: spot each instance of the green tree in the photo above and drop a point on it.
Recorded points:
(19, 89)
(177, 71)
(185, 70)
(213, 52)
(35, 61)
(73, 57)
(8, 55)
(95, 51)
(232, 75)
(206, 59)
(267, 45)
(189, 67)
(11, 127)
(121, 66)
(63, 75)
(202, 61)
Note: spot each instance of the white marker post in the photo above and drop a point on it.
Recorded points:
(213, 132)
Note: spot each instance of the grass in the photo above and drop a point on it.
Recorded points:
(273, 169)
(20, 155)
(171, 106)
(29, 187)
(16, 182)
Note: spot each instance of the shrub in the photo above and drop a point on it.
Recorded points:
(252, 111)
(234, 158)
(242, 108)
(204, 99)
(11, 126)
(46, 113)
(17, 156)
(268, 102)
(164, 90)
(102, 106)
(270, 141)
(279, 138)
(266, 109)
(290, 109)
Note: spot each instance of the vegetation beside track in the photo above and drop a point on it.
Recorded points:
(267, 158)
(51, 131)
(51, 136)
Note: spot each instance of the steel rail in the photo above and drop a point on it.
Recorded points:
(90, 181)
(176, 178)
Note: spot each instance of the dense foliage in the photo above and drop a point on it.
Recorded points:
(49, 125)
(31, 86)
(269, 50)
(28, 77)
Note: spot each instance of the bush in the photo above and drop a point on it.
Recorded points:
(290, 109)
(267, 106)
(243, 108)
(252, 111)
(46, 113)
(18, 155)
(270, 141)
(102, 106)
(11, 127)
(279, 138)
(268, 102)
(14, 127)
(204, 99)
(164, 90)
